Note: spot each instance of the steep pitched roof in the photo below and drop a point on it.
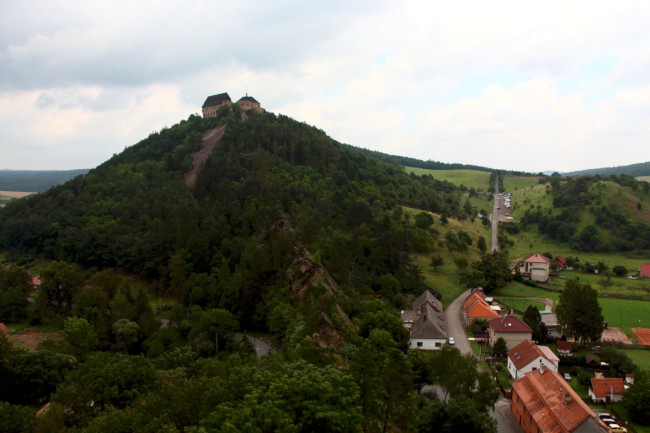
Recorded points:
(526, 352)
(645, 270)
(474, 297)
(427, 297)
(604, 386)
(537, 258)
(216, 100)
(480, 310)
(509, 324)
(552, 403)
(430, 324)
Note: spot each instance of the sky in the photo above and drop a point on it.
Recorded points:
(514, 85)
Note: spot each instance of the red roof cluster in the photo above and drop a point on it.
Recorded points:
(526, 352)
(645, 270)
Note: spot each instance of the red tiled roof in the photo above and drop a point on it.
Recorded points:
(509, 324)
(526, 352)
(604, 386)
(4, 329)
(564, 345)
(537, 258)
(474, 297)
(480, 310)
(645, 270)
(552, 403)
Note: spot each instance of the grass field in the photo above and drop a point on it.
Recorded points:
(514, 183)
(643, 178)
(479, 180)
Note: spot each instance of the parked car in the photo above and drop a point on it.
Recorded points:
(567, 377)
(615, 428)
(451, 341)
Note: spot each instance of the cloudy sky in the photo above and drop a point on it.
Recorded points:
(532, 86)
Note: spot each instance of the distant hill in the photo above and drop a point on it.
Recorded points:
(633, 170)
(35, 180)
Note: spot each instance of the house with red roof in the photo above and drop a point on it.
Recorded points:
(528, 356)
(476, 307)
(511, 329)
(4, 329)
(645, 270)
(543, 402)
(606, 389)
(535, 267)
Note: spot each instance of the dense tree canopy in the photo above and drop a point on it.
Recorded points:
(579, 312)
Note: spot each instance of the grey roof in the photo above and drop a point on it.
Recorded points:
(216, 100)
(427, 297)
(590, 425)
(248, 98)
(409, 316)
(430, 324)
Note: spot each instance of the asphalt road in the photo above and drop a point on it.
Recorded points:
(495, 215)
(454, 319)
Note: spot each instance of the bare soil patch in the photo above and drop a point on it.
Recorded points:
(30, 338)
(642, 335)
(615, 335)
(210, 139)
(16, 194)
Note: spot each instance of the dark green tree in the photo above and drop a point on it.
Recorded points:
(579, 312)
(500, 347)
(637, 398)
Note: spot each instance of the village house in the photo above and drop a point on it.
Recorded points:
(527, 356)
(511, 329)
(606, 389)
(535, 267)
(542, 402)
(476, 307)
(426, 323)
(553, 327)
(213, 103)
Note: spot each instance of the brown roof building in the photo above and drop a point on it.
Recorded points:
(542, 402)
(511, 329)
(214, 102)
(250, 103)
(426, 323)
(606, 389)
(528, 356)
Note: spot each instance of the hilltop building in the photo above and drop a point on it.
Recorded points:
(250, 103)
(214, 102)
(535, 267)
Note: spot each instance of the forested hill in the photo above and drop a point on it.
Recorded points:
(634, 170)
(35, 180)
(271, 184)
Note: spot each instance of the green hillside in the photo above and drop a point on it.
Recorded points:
(633, 170)
(478, 180)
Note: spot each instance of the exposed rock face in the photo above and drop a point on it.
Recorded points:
(307, 276)
(210, 140)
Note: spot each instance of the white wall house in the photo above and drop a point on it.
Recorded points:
(527, 356)
(426, 323)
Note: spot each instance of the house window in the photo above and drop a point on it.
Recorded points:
(419, 344)
(438, 344)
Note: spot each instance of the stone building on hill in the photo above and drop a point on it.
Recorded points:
(213, 103)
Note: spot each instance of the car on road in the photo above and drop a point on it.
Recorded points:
(567, 377)
(451, 341)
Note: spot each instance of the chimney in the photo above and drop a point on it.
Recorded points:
(567, 398)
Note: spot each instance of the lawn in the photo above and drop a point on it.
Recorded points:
(640, 356)
(479, 180)
(521, 304)
(625, 313)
